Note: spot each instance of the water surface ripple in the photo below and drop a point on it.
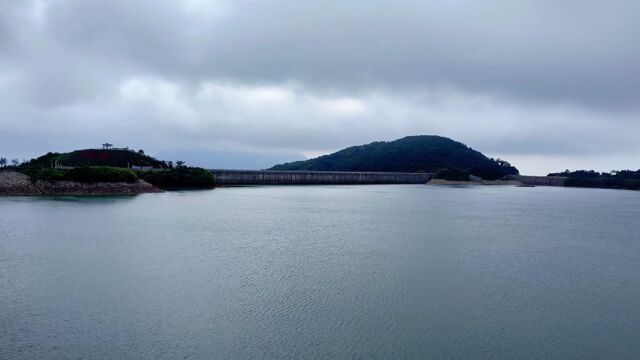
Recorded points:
(344, 272)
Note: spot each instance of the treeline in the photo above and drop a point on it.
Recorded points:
(88, 174)
(624, 179)
(451, 175)
(182, 177)
(4, 162)
(495, 170)
(97, 157)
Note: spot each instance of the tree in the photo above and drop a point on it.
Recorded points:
(451, 175)
(502, 163)
(141, 152)
(179, 163)
(3, 162)
(15, 162)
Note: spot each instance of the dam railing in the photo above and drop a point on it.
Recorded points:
(278, 177)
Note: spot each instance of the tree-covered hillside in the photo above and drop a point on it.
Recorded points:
(115, 165)
(623, 179)
(97, 157)
(427, 153)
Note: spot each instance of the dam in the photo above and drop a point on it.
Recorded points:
(277, 177)
(540, 180)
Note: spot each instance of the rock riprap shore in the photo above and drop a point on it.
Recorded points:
(13, 183)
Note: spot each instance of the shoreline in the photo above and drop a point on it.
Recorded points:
(13, 183)
(440, 182)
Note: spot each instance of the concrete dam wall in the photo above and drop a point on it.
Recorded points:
(540, 180)
(274, 177)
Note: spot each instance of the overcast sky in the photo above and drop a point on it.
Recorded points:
(546, 85)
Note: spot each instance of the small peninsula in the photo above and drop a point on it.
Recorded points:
(106, 171)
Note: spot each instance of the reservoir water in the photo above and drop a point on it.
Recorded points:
(344, 272)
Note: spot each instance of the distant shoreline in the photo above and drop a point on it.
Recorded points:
(436, 182)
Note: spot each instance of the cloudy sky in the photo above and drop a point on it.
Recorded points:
(546, 85)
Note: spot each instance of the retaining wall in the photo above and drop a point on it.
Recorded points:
(540, 180)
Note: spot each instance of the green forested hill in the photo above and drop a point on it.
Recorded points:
(112, 165)
(427, 153)
(97, 157)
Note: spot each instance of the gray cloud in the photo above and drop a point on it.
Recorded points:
(523, 79)
(573, 51)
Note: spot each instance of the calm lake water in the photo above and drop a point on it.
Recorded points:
(349, 272)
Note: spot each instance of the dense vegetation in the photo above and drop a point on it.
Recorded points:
(85, 174)
(113, 165)
(451, 175)
(426, 153)
(625, 179)
(121, 158)
(95, 174)
(179, 178)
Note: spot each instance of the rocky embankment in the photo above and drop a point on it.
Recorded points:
(14, 183)
(17, 184)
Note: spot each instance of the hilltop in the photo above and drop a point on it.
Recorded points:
(121, 158)
(428, 153)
